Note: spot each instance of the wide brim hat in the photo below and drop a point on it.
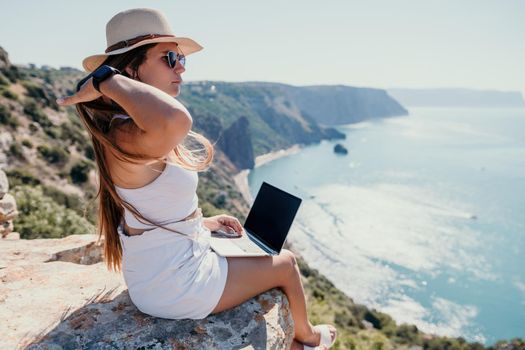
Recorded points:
(136, 27)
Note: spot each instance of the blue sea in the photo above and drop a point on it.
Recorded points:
(423, 219)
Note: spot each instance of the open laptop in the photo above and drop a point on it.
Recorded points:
(266, 226)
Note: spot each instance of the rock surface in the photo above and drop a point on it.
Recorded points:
(4, 59)
(8, 209)
(236, 141)
(58, 294)
(4, 184)
(340, 149)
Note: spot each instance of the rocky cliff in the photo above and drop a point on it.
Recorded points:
(236, 142)
(8, 209)
(57, 294)
(274, 120)
(4, 59)
(337, 104)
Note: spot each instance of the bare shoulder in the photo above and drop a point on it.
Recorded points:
(156, 142)
(126, 174)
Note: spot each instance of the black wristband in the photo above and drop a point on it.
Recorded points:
(102, 73)
(99, 75)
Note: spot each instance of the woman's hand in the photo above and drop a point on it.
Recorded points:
(225, 223)
(87, 92)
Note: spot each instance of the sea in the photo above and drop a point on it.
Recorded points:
(423, 219)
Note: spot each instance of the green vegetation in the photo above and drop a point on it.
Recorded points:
(216, 195)
(27, 143)
(9, 94)
(34, 90)
(327, 304)
(89, 152)
(79, 172)
(41, 93)
(72, 134)
(3, 80)
(53, 154)
(72, 201)
(12, 73)
(21, 176)
(514, 344)
(53, 79)
(35, 112)
(24, 176)
(209, 209)
(6, 118)
(33, 127)
(41, 217)
(32, 109)
(16, 151)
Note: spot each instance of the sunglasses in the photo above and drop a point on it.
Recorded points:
(172, 57)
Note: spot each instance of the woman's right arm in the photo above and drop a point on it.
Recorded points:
(163, 122)
(151, 108)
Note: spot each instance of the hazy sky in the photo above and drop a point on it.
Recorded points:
(374, 43)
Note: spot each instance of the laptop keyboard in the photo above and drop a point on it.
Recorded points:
(247, 245)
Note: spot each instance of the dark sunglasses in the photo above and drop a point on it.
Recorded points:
(172, 57)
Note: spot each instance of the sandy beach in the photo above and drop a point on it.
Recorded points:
(268, 157)
(241, 178)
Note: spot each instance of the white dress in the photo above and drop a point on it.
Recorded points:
(170, 275)
(173, 276)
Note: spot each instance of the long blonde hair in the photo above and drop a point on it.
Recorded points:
(96, 116)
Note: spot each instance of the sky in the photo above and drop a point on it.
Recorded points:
(375, 43)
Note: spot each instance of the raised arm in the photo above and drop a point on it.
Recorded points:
(162, 121)
(150, 108)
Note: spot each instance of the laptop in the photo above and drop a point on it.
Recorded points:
(266, 226)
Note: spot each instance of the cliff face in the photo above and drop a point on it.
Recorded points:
(332, 105)
(57, 294)
(279, 115)
(4, 59)
(236, 142)
(274, 120)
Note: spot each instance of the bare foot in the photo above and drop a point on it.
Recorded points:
(315, 339)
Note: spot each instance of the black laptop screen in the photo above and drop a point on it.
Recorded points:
(272, 215)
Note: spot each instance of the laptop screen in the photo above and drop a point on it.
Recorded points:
(272, 215)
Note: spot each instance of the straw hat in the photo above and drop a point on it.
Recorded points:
(136, 27)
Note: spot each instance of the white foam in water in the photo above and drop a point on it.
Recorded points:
(521, 287)
(360, 125)
(428, 129)
(361, 237)
(446, 318)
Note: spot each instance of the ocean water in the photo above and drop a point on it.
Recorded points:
(424, 219)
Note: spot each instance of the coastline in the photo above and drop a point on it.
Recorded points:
(241, 178)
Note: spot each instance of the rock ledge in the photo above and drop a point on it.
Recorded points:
(57, 294)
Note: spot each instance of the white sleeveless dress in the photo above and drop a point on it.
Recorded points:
(170, 275)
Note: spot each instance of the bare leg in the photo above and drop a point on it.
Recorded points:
(250, 276)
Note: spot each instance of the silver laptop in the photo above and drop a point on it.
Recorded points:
(266, 227)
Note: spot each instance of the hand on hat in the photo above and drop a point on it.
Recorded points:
(86, 93)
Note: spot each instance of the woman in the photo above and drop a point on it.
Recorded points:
(149, 217)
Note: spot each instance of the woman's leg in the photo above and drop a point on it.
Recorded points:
(250, 276)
